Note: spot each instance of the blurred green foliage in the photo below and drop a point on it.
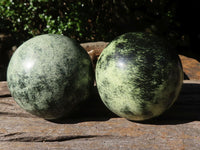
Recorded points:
(89, 20)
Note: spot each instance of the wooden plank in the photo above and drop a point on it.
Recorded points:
(191, 66)
(4, 89)
(94, 127)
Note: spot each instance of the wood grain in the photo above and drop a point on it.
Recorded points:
(191, 66)
(94, 127)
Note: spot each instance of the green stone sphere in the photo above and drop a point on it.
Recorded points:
(138, 76)
(50, 75)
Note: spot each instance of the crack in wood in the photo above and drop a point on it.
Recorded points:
(46, 138)
(9, 114)
(11, 134)
(5, 95)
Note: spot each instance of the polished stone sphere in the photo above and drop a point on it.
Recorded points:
(138, 76)
(50, 75)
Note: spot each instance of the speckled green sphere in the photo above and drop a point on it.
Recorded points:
(49, 75)
(138, 76)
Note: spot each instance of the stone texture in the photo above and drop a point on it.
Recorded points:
(138, 77)
(49, 75)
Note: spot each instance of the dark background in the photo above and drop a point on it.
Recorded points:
(90, 20)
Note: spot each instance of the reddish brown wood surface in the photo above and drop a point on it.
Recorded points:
(93, 127)
(191, 67)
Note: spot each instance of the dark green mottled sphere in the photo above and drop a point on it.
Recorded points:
(138, 76)
(49, 75)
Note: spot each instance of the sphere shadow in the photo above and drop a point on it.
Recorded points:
(186, 109)
(92, 109)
